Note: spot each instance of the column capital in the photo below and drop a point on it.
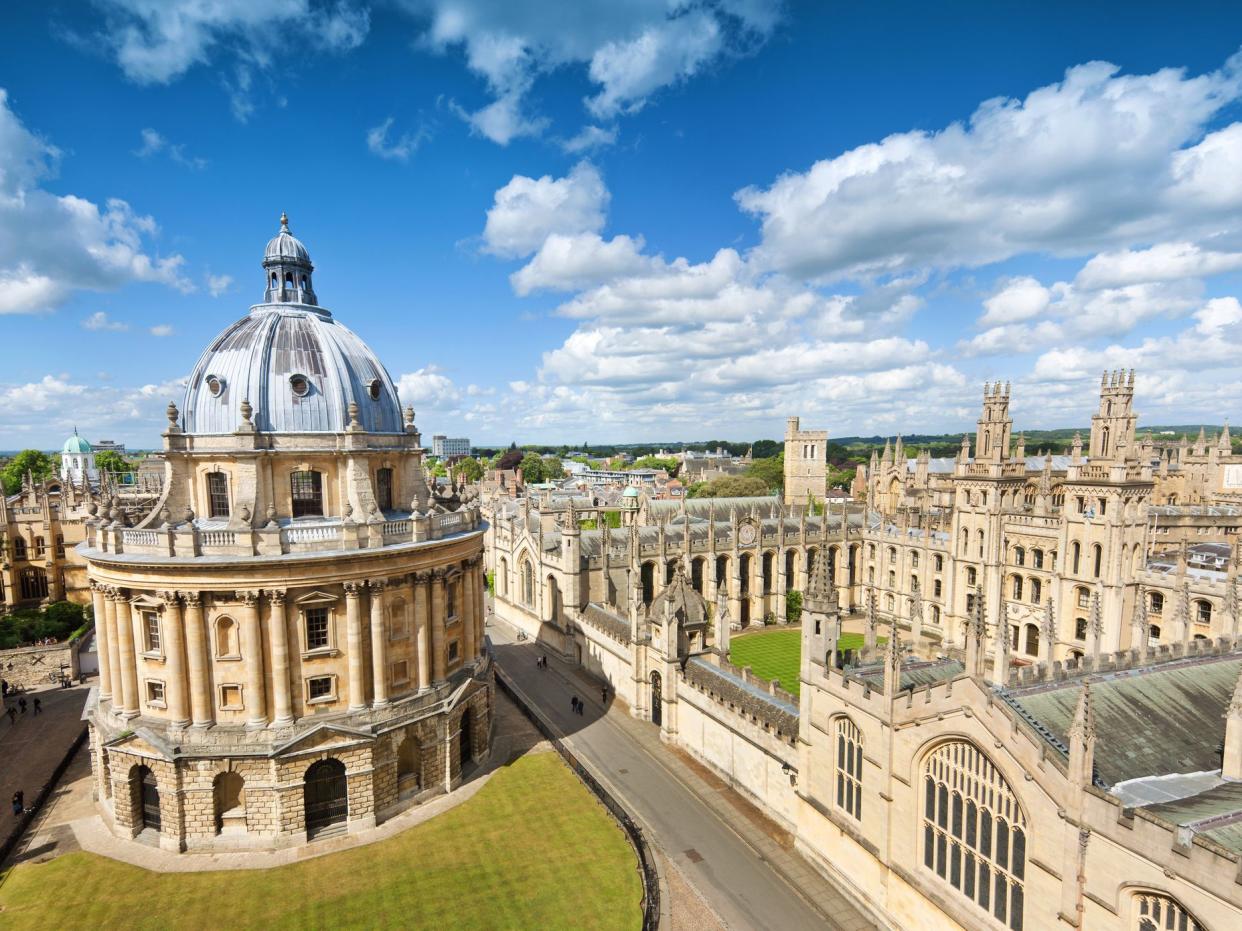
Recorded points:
(438, 575)
(249, 598)
(377, 585)
(276, 596)
(353, 589)
(193, 599)
(421, 578)
(169, 598)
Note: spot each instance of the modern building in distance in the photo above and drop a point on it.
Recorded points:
(449, 447)
(291, 636)
(110, 446)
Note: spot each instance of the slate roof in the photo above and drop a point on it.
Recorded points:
(1215, 814)
(1150, 721)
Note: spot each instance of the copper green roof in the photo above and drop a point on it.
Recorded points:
(1160, 719)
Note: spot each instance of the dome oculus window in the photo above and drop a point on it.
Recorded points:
(373, 389)
(300, 385)
(215, 385)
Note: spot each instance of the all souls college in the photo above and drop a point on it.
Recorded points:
(1043, 727)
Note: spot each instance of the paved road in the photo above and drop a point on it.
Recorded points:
(744, 890)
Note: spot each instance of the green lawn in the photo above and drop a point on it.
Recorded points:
(533, 849)
(777, 654)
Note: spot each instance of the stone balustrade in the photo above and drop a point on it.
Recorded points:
(332, 535)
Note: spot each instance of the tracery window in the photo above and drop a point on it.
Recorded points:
(1155, 912)
(849, 768)
(974, 831)
(1156, 604)
(528, 583)
(33, 583)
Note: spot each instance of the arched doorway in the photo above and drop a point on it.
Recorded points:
(465, 750)
(657, 702)
(230, 812)
(325, 797)
(148, 799)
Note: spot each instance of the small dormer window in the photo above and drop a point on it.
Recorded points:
(373, 389)
(300, 385)
(215, 385)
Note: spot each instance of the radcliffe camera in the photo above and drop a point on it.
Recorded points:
(643, 466)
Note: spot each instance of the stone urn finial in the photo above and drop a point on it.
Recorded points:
(271, 516)
(172, 414)
(246, 410)
(244, 513)
(187, 516)
(353, 415)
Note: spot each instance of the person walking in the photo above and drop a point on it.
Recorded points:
(12, 713)
(603, 694)
(19, 803)
(21, 703)
(573, 704)
(38, 705)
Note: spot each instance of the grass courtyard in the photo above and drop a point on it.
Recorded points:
(533, 849)
(777, 654)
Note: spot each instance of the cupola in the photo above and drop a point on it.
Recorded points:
(288, 268)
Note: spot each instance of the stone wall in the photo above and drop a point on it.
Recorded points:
(29, 666)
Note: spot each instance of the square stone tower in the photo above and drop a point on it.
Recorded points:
(806, 462)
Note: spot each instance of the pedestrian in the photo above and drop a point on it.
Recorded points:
(38, 705)
(573, 704)
(603, 694)
(12, 713)
(21, 703)
(581, 706)
(19, 803)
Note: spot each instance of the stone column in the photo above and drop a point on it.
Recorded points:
(422, 627)
(353, 647)
(480, 607)
(279, 627)
(196, 655)
(113, 659)
(379, 645)
(467, 614)
(174, 660)
(129, 663)
(252, 655)
(437, 627)
(98, 602)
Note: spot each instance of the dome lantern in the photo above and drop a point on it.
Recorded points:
(287, 266)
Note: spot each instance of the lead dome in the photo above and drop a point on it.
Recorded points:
(291, 360)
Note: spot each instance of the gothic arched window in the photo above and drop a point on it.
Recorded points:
(1075, 553)
(1155, 912)
(1019, 555)
(1037, 559)
(1203, 612)
(1097, 556)
(528, 583)
(1156, 603)
(974, 831)
(849, 767)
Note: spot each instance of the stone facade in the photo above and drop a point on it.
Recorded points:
(291, 637)
(36, 667)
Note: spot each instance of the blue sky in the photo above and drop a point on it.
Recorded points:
(629, 221)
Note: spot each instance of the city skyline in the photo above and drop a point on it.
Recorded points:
(556, 230)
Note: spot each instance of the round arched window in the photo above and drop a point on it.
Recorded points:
(373, 389)
(299, 384)
(215, 385)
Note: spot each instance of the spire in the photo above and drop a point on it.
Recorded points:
(820, 596)
(869, 624)
(724, 624)
(975, 633)
(1225, 442)
(899, 453)
(1082, 740)
(1048, 631)
(1139, 623)
(887, 458)
(892, 661)
(1000, 649)
(1097, 628)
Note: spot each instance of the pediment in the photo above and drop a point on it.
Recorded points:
(317, 598)
(325, 735)
(147, 601)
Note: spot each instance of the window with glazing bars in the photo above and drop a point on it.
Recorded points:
(974, 831)
(383, 489)
(316, 628)
(307, 492)
(849, 768)
(151, 621)
(217, 494)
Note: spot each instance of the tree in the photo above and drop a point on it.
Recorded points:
(111, 461)
(770, 471)
(468, 468)
(511, 459)
(667, 463)
(730, 486)
(553, 469)
(766, 449)
(793, 606)
(532, 468)
(39, 464)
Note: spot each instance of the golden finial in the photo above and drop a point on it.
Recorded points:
(284, 222)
